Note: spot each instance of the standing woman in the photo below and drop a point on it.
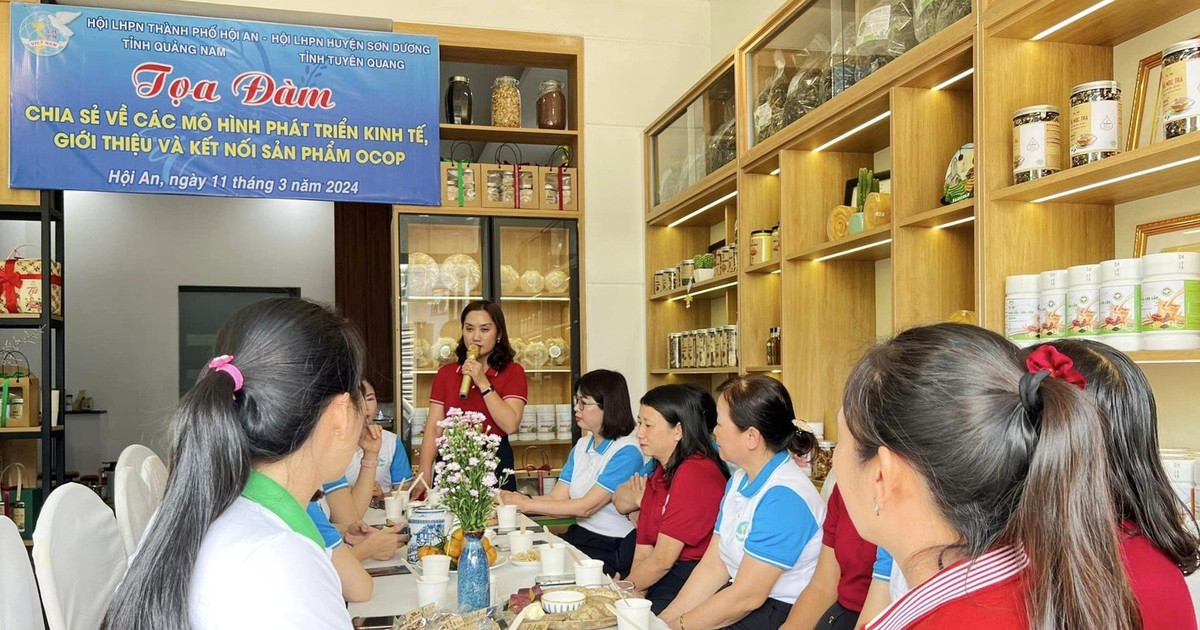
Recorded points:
(497, 387)
(278, 414)
(983, 474)
(597, 465)
(1157, 547)
(768, 533)
(682, 497)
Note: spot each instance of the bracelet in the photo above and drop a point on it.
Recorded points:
(681, 626)
(369, 463)
(487, 391)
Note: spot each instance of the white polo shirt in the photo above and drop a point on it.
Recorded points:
(256, 571)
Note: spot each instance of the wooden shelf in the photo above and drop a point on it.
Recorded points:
(1110, 25)
(26, 320)
(535, 298)
(439, 298)
(698, 287)
(771, 266)
(928, 64)
(874, 244)
(764, 369)
(539, 442)
(1165, 356)
(515, 135)
(428, 372)
(717, 370)
(705, 192)
(941, 216)
(1115, 180)
(26, 433)
(506, 213)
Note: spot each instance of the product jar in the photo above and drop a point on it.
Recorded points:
(731, 337)
(458, 101)
(506, 102)
(1021, 309)
(701, 348)
(760, 246)
(774, 244)
(1095, 122)
(1083, 296)
(1037, 143)
(551, 106)
(673, 351)
(713, 348)
(1179, 88)
(1121, 303)
(671, 281)
(1171, 301)
(687, 270)
(659, 277)
(1052, 304)
(687, 350)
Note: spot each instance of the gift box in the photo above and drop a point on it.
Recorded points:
(20, 403)
(460, 184)
(21, 489)
(21, 285)
(510, 186)
(558, 188)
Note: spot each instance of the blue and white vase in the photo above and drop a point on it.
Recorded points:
(474, 587)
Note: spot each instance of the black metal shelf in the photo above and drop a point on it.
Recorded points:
(50, 200)
(29, 321)
(29, 433)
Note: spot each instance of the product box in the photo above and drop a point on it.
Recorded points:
(558, 188)
(21, 286)
(20, 403)
(509, 186)
(460, 184)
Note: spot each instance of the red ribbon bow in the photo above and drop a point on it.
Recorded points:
(1047, 357)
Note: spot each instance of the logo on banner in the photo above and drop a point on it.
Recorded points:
(47, 34)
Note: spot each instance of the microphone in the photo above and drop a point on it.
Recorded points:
(472, 354)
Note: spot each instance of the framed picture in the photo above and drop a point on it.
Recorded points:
(851, 196)
(1145, 126)
(1179, 234)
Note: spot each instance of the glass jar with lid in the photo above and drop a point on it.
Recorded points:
(506, 102)
(458, 101)
(731, 338)
(551, 106)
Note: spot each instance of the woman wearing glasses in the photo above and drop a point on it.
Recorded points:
(598, 463)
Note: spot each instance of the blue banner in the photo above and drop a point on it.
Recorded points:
(124, 101)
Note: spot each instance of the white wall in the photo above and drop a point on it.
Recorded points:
(733, 20)
(127, 254)
(126, 257)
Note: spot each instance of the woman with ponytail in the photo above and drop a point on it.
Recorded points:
(768, 531)
(276, 415)
(980, 471)
(1157, 546)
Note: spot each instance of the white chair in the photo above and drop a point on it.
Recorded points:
(134, 506)
(133, 456)
(20, 607)
(827, 487)
(154, 475)
(79, 558)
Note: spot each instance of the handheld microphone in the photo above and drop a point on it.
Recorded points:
(465, 388)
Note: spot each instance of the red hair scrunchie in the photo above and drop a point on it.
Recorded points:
(1048, 358)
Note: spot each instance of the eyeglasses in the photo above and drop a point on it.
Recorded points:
(580, 404)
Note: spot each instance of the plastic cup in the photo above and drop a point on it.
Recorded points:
(589, 572)
(393, 508)
(432, 590)
(632, 613)
(554, 559)
(520, 542)
(506, 516)
(435, 566)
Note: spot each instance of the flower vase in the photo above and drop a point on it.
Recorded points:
(474, 586)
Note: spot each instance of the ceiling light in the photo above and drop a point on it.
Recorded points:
(1074, 18)
(701, 210)
(856, 249)
(954, 79)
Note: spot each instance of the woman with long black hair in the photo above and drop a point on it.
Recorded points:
(280, 412)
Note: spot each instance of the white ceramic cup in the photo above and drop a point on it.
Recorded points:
(393, 508)
(633, 610)
(589, 572)
(520, 542)
(554, 559)
(435, 566)
(506, 516)
(432, 590)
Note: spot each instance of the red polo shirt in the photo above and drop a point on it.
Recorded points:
(855, 556)
(1157, 583)
(509, 383)
(687, 511)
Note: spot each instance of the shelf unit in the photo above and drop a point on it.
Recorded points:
(834, 299)
(41, 448)
(537, 52)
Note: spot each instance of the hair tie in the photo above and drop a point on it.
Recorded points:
(802, 426)
(1031, 382)
(1045, 362)
(224, 363)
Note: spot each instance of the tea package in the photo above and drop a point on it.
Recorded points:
(812, 84)
(884, 33)
(768, 112)
(931, 16)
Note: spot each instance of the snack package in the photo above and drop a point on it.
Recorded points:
(931, 16)
(768, 113)
(812, 84)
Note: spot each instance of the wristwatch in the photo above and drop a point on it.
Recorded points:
(487, 391)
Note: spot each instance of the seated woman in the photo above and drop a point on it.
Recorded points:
(278, 414)
(597, 465)
(683, 495)
(392, 467)
(381, 544)
(768, 533)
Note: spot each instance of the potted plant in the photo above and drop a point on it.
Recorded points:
(705, 267)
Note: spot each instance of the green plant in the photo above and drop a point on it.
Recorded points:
(866, 183)
(704, 261)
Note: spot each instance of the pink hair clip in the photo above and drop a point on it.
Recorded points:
(224, 363)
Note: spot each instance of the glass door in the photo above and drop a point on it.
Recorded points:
(537, 284)
(444, 264)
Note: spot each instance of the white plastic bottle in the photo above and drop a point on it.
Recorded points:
(1052, 305)
(1021, 309)
(1121, 303)
(1171, 301)
(1083, 297)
